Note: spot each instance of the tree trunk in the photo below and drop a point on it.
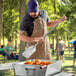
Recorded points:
(16, 40)
(52, 39)
(39, 1)
(57, 51)
(3, 33)
(68, 41)
(15, 44)
(55, 7)
(49, 38)
(22, 44)
(57, 34)
(1, 14)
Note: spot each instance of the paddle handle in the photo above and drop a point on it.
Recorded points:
(49, 32)
(52, 29)
(43, 67)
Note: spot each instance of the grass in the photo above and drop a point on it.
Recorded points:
(67, 66)
(6, 72)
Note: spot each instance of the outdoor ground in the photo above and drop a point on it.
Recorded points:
(67, 66)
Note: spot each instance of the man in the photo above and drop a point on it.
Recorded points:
(33, 27)
(61, 47)
(74, 45)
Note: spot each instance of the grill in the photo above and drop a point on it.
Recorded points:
(22, 69)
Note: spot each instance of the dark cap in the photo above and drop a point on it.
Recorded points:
(32, 6)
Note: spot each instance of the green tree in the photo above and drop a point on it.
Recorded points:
(1, 16)
(22, 13)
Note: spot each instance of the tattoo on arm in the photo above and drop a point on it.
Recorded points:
(22, 32)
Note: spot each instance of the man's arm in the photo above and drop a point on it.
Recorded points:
(25, 38)
(52, 23)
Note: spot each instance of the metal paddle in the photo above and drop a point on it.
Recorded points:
(29, 51)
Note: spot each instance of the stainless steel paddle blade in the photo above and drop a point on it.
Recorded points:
(29, 51)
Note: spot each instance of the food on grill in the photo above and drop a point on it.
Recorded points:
(43, 63)
(37, 62)
(28, 62)
(47, 62)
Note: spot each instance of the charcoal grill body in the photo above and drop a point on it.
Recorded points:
(22, 69)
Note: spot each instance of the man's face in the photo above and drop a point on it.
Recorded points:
(34, 14)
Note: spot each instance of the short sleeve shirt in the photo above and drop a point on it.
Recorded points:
(27, 22)
(61, 45)
(2, 51)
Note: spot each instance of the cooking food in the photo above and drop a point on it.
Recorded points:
(37, 62)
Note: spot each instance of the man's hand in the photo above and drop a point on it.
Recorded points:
(39, 39)
(63, 18)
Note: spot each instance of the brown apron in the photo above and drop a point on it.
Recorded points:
(42, 49)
